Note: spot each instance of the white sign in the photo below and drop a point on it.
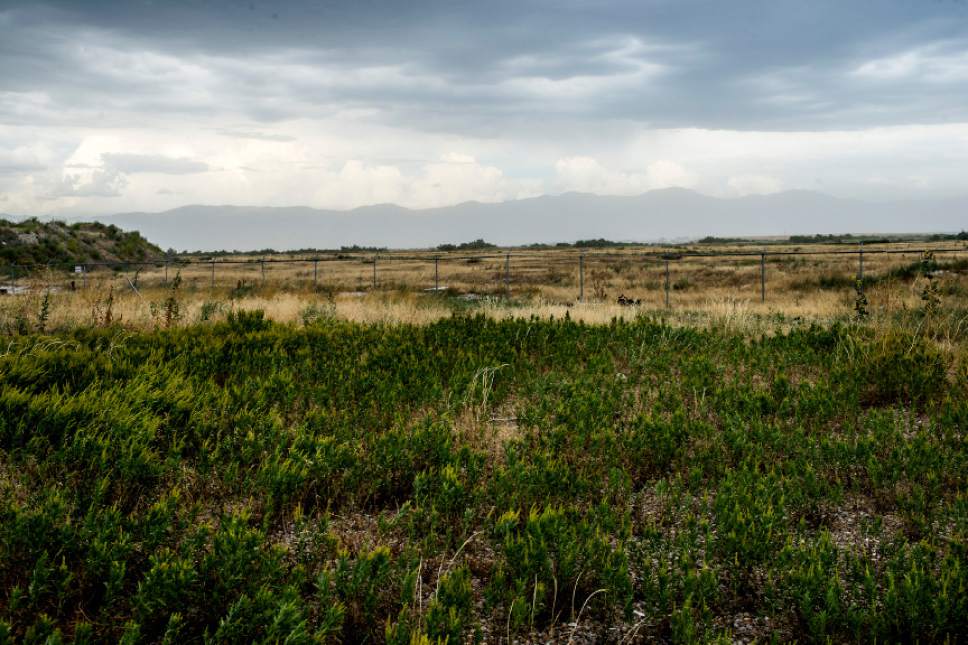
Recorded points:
(78, 268)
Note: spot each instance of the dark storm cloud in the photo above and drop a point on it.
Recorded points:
(778, 64)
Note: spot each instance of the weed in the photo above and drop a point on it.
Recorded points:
(44, 315)
(171, 307)
(246, 480)
(860, 301)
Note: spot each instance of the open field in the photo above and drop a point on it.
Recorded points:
(820, 286)
(474, 479)
(279, 461)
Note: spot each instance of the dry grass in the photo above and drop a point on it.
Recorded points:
(723, 291)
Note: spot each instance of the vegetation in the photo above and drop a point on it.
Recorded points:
(356, 248)
(712, 239)
(473, 479)
(475, 245)
(820, 238)
(961, 236)
(844, 238)
(34, 242)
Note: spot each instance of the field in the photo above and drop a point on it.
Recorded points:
(445, 471)
(549, 282)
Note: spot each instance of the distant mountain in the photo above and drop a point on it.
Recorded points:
(672, 213)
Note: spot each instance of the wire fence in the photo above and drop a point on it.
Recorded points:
(492, 272)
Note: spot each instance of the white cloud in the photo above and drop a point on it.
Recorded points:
(255, 134)
(935, 63)
(456, 178)
(586, 174)
(134, 163)
(669, 174)
(99, 183)
(345, 163)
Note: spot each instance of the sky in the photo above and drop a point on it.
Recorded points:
(142, 105)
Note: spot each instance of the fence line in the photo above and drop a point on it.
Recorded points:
(547, 257)
(368, 258)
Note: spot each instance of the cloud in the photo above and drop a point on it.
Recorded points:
(934, 63)
(333, 104)
(258, 136)
(455, 178)
(139, 163)
(586, 174)
(14, 168)
(100, 183)
(460, 68)
(29, 157)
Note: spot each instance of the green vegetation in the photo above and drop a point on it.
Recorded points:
(821, 238)
(56, 243)
(476, 245)
(940, 237)
(712, 239)
(845, 238)
(596, 243)
(248, 481)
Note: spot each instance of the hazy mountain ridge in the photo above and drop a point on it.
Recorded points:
(673, 213)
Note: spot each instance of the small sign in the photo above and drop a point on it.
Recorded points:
(78, 268)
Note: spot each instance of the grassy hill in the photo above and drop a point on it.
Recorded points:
(36, 242)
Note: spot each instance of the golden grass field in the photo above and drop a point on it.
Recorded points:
(724, 289)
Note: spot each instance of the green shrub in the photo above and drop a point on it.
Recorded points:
(900, 367)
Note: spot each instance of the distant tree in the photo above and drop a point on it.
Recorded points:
(476, 245)
(598, 243)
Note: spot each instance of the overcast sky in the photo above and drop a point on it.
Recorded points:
(148, 105)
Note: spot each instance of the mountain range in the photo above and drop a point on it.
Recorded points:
(667, 214)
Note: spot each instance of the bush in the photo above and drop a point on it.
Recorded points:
(900, 367)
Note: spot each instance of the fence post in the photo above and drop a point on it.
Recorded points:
(581, 278)
(262, 264)
(84, 276)
(315, 271)
(667, 282)
(166, 273)
(762, 277)
(860, 268)
(436, 274)
(213, 274)
(507, 275)
(374, 272)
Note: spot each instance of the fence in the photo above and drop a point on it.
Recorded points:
(497, 272)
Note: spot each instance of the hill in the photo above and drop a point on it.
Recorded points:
(661, 214)
(35, 242)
